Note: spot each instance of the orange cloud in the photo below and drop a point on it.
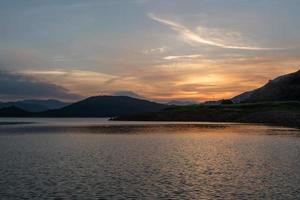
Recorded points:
(195, 79)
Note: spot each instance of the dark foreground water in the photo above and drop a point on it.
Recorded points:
(95, 159)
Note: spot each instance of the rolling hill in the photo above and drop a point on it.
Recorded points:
(35, 105)
(283, 88)
(14, 111)
(105, 106)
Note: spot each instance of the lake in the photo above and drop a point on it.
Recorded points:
(100, 159)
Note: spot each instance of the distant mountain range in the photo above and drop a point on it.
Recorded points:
(106, 106)
(137, 96)
(14, 111)
(97, 106)
(33, 105)
(180, 103)
(276, 102)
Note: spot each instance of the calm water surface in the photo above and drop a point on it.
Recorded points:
(97, 159)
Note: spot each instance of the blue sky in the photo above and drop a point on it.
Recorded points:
(161, 49)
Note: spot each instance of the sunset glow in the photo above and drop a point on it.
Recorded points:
(161, 50)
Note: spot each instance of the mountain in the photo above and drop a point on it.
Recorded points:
(14, 111)
(242, 97)
(49, 104)
(180, 103)
(283, 88)
(105, 106)
(24, 106)
(33, 105)
(217, 102)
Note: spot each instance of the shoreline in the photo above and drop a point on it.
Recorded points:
(230, 122)
(269, 113)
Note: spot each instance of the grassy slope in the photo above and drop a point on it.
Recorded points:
(280, 113)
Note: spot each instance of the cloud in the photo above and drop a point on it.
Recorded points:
(193, 37)
(141, 1)
(44, 72)
(183, 57)
(86, 83)
(20, 86)
(194, 79)
(159, 50)
(11, 58)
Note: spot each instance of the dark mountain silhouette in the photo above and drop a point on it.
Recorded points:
(34, 105)
(283, 88)
(48, 103)
(24, 106)
(241, 97)
(105, 106)
(278, 113)
(14, 111)
(180, 103)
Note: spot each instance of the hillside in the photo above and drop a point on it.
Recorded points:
(105, 106)
(14, 111)
(283, 88)
(35, 105)
(278, 113)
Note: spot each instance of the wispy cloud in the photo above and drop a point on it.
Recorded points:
(73, 79)
(141, 1)
(191, 36)
(44, 72)
(194, 79)
(183, 57)
(155, 50)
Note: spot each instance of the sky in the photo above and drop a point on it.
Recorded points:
(163, 50)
